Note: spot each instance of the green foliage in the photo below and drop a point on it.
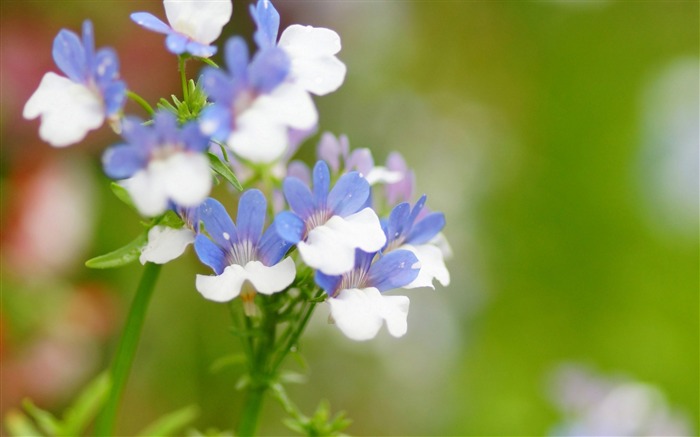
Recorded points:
(224, 170)
(171, 423)
(120, 257)
(189, 108)
(320, 424)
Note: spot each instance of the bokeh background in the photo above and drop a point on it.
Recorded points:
(560, 138)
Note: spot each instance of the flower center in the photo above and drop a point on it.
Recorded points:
(317, 219)
(165, 151)
(355, 278)
(242, 253)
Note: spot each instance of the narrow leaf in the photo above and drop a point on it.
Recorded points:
(224, 170)
(171, 423)
(120, 257)
(19, 425)
(46, 421)
(122, 194)
(88, 404)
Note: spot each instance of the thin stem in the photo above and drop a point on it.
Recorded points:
(251, 411)
(293, 338)
(181, 60)
(127, 349)
(141, 101)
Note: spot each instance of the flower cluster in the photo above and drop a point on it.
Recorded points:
(350, 225)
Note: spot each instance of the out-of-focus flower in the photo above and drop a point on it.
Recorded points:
(418, 232)
(194, 24)
(598, 406)
(326, 226)
(160, 164)
(401, 190)
(356, 301)
(71, 106)
(245, 259)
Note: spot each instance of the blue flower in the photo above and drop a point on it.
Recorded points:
(418, 231)
(244, 258)
(327, 226)
(194, 25)
(357, 304)
(160, 164)
(165, 243)
(91, 91)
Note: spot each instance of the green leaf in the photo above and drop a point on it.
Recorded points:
(88, 404)
(46, 421)
(120, 257)
(122, 194)
(171, 423)
(19, 425)
(228, 360)
(170, 219)
(224, 170)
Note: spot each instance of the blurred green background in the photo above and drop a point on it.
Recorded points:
(561, 140)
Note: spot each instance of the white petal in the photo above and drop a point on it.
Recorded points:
(441, 242)
(68, 110)
(269, 280)
(327, 251)
(432, 266)
(147, 192)
(165, 244)
(359, 313)
(186, 177)
(201, 20)
(288, 104)
(383, 176)
(362, 230)
(308, 41)
(223, 287)
(257, 138)
(330, 248)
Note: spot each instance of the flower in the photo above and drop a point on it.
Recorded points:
(257, 102)
(160, 164)
(419, 232)
(402, 190)
(165, 243)
(244, 258)
(194, 25)
(72, 106)
(357, 304)
(326, 226)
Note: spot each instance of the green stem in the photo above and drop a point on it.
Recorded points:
(181, 60)
(127, 349)
(293, 337)
(251, 411)
(141, 101)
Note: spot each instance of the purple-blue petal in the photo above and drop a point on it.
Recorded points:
(218, 223)
(398, 220)
(360, 160)
(210, 254)
(250, 220)
(289, 226)
(165, 125)
(267, 20)
(349, 194)
(198, 49)
(150, 22)
(329, 150)
(106, 67)
(69, 55)
(426, 229)
(88, 44)
(193, 138)
(134, 132)
(298, 169)
(122, 161)
(298, 197)
(176, 43)
(272, 248)
(236, 57)
(417, 208)
(114, 96)
(322, 180)
(327, 282)
(215, 121)
(218, 85)
(393, 270)
(268, 69)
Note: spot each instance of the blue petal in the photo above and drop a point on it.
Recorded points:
(267, 20)
(218, 223)
(69, 55)
(218, 85)
(269, 68)
(134, 132)
(150, 22)
(236, 57)
(88, 43)
(210, 254)
(349, 194)
(398, 219)
(426, 229)
(106, 67)
(272, 248)
(176, 43)
(202, 50)
(122, 161)
(193, 138)
(417, 208)
(114, 96)
(322, 178)
(393, 270)
(215, 121)
(289, 227)
(165, 125)
(250, 220)
(363, 260)
(328, 283)
(298, 196)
